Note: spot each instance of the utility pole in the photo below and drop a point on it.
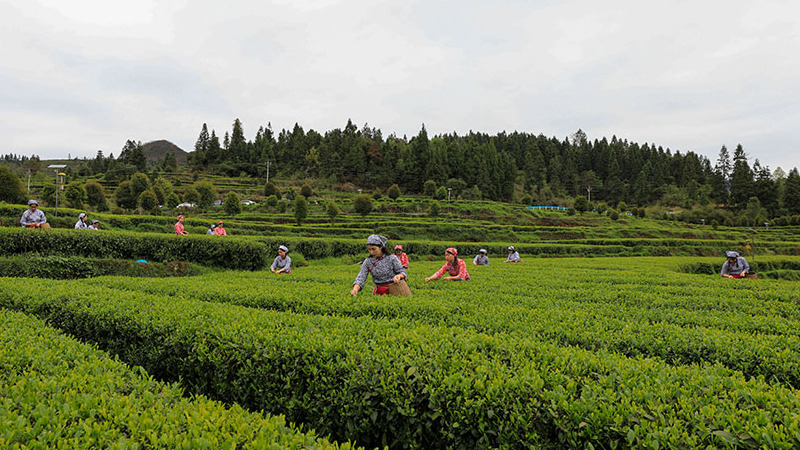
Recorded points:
(448, 193)
(269, 163)
(29, 181)
(590, 193)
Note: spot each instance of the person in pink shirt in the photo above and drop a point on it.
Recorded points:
(219, 230)
(179, 226)
(456, 268)
(398, 251)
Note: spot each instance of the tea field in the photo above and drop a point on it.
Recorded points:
(603, 352)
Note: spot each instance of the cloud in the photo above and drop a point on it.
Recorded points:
(684, 75)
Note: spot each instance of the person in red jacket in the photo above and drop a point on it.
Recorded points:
(398, 251)
(456, 268)
(179, 226)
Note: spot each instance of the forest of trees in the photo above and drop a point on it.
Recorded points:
(479, 165)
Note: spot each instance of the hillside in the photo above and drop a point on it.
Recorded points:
(154, 151)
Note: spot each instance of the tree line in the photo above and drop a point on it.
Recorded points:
(503, 167)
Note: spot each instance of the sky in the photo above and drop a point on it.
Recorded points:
(78, 76)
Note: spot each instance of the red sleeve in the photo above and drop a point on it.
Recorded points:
(441, 271)
(178, 228)
(462, 270)
(403, 259)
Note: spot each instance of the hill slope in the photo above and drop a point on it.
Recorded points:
(154, 151)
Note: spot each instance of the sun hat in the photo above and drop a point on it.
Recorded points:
(452, 250)
(219, 223)
(81, 215)
(483, 250)
(180, 215)
(398, 247)
(33, 202)
(284, 248)
(511, 247)
(213, 225)
(730, 254)
(95, 221)
(376, 239)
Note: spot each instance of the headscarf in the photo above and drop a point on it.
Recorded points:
(511, 248)
(95, 221)
(284, 248)
(452, 250)
(81, 216)
(398, 247)
(33, 202)
(730, 254)
(378, 240)
(179, 216)
(483, 250)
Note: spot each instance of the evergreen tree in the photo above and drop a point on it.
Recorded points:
(237, 147)
(720, 181)
(95, 195)
(75, 195)
(300, 209)
(140, 182)
(741, 179)
(232, 204)
(207, 194)
(147, 201)
(332, 210)
(362, 204)
(393, 192)
(11, 187)
(792, 193)
(306, 191)
(124, 196)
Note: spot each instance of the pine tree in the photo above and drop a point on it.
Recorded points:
(741, 179)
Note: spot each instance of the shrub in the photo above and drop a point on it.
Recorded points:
(300, 209)
(362, 204)
(232, 205)
(11, 188)
(393, 192)
(306, 191)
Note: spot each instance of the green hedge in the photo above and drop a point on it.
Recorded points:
(229, 252)
(405, 384)
(56, 392)
(72, 267)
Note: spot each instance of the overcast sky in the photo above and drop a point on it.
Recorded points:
(78, 76)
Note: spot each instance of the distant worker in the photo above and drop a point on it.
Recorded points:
(282, 262)
(211, 229)
(179, 230)
(398, 251)
(220, 230)
(81, 223)
(513, 255)
(735, 266)
(456, 268)
(94, 226)
(34, 217)
(481, 259)
(384, 267)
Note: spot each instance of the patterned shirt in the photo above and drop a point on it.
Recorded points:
(81, 225)
(179, 229)
(282, 263)
(219, 231)
(403, 259)
(481, 260)
(459, 270)
(383, 269)
(514, 257)
(735, 268)
(30, 216)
